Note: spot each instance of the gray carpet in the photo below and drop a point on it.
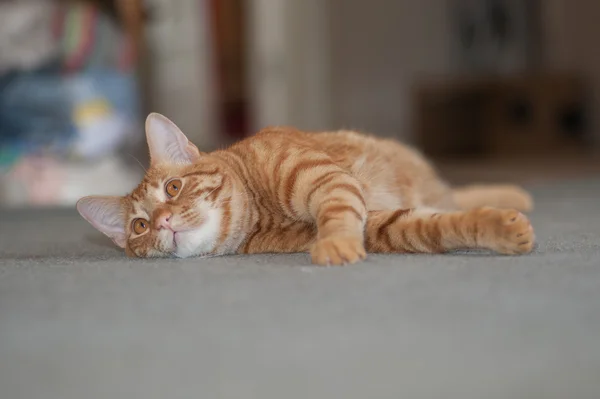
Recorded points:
(79, 320)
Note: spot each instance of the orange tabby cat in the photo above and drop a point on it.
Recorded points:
(338, 195)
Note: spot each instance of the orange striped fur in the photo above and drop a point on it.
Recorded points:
(337, 195)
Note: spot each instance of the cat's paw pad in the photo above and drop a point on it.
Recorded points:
(336, 251)
(508, 231)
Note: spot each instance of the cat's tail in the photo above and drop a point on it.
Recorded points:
(498, 196)
(505, 231)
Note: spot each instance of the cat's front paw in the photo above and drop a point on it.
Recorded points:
(336, 251)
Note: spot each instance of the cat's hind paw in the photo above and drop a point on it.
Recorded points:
(508, 231)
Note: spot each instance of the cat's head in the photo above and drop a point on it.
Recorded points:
(182, 207)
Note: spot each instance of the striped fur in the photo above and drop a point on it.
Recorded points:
(335, 194)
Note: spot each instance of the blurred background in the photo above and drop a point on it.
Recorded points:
(491, 90)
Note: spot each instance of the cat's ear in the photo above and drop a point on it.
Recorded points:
(167, 143)
(106, 214)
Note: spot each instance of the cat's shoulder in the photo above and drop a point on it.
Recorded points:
(290, 131)
(282, 134)
(286, 131)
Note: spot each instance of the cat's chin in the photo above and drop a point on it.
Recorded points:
(200, 241)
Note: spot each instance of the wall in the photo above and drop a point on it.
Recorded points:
(289, 63)
(180, 67)
(379, 49)
(330, 64)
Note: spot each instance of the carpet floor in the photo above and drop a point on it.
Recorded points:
(79, 320)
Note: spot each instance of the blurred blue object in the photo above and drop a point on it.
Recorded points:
(48, 111)
(34, 113)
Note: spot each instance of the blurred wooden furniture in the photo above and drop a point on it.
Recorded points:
(502, 115)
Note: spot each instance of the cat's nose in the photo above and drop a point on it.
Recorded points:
(161, 219)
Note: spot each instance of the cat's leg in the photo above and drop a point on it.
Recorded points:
(334, 202)
(418, 231)
(498, 196)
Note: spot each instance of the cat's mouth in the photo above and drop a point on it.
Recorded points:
(193, 239)
(178, 236)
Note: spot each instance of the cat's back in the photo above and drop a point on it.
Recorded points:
(345, 147)
(392, 174)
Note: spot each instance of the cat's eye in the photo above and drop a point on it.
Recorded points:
(140, 226)
(173, 187)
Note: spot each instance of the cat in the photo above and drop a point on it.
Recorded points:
(337, 195)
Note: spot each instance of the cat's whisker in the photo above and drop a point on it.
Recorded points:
(138, 161)
(211, 191)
